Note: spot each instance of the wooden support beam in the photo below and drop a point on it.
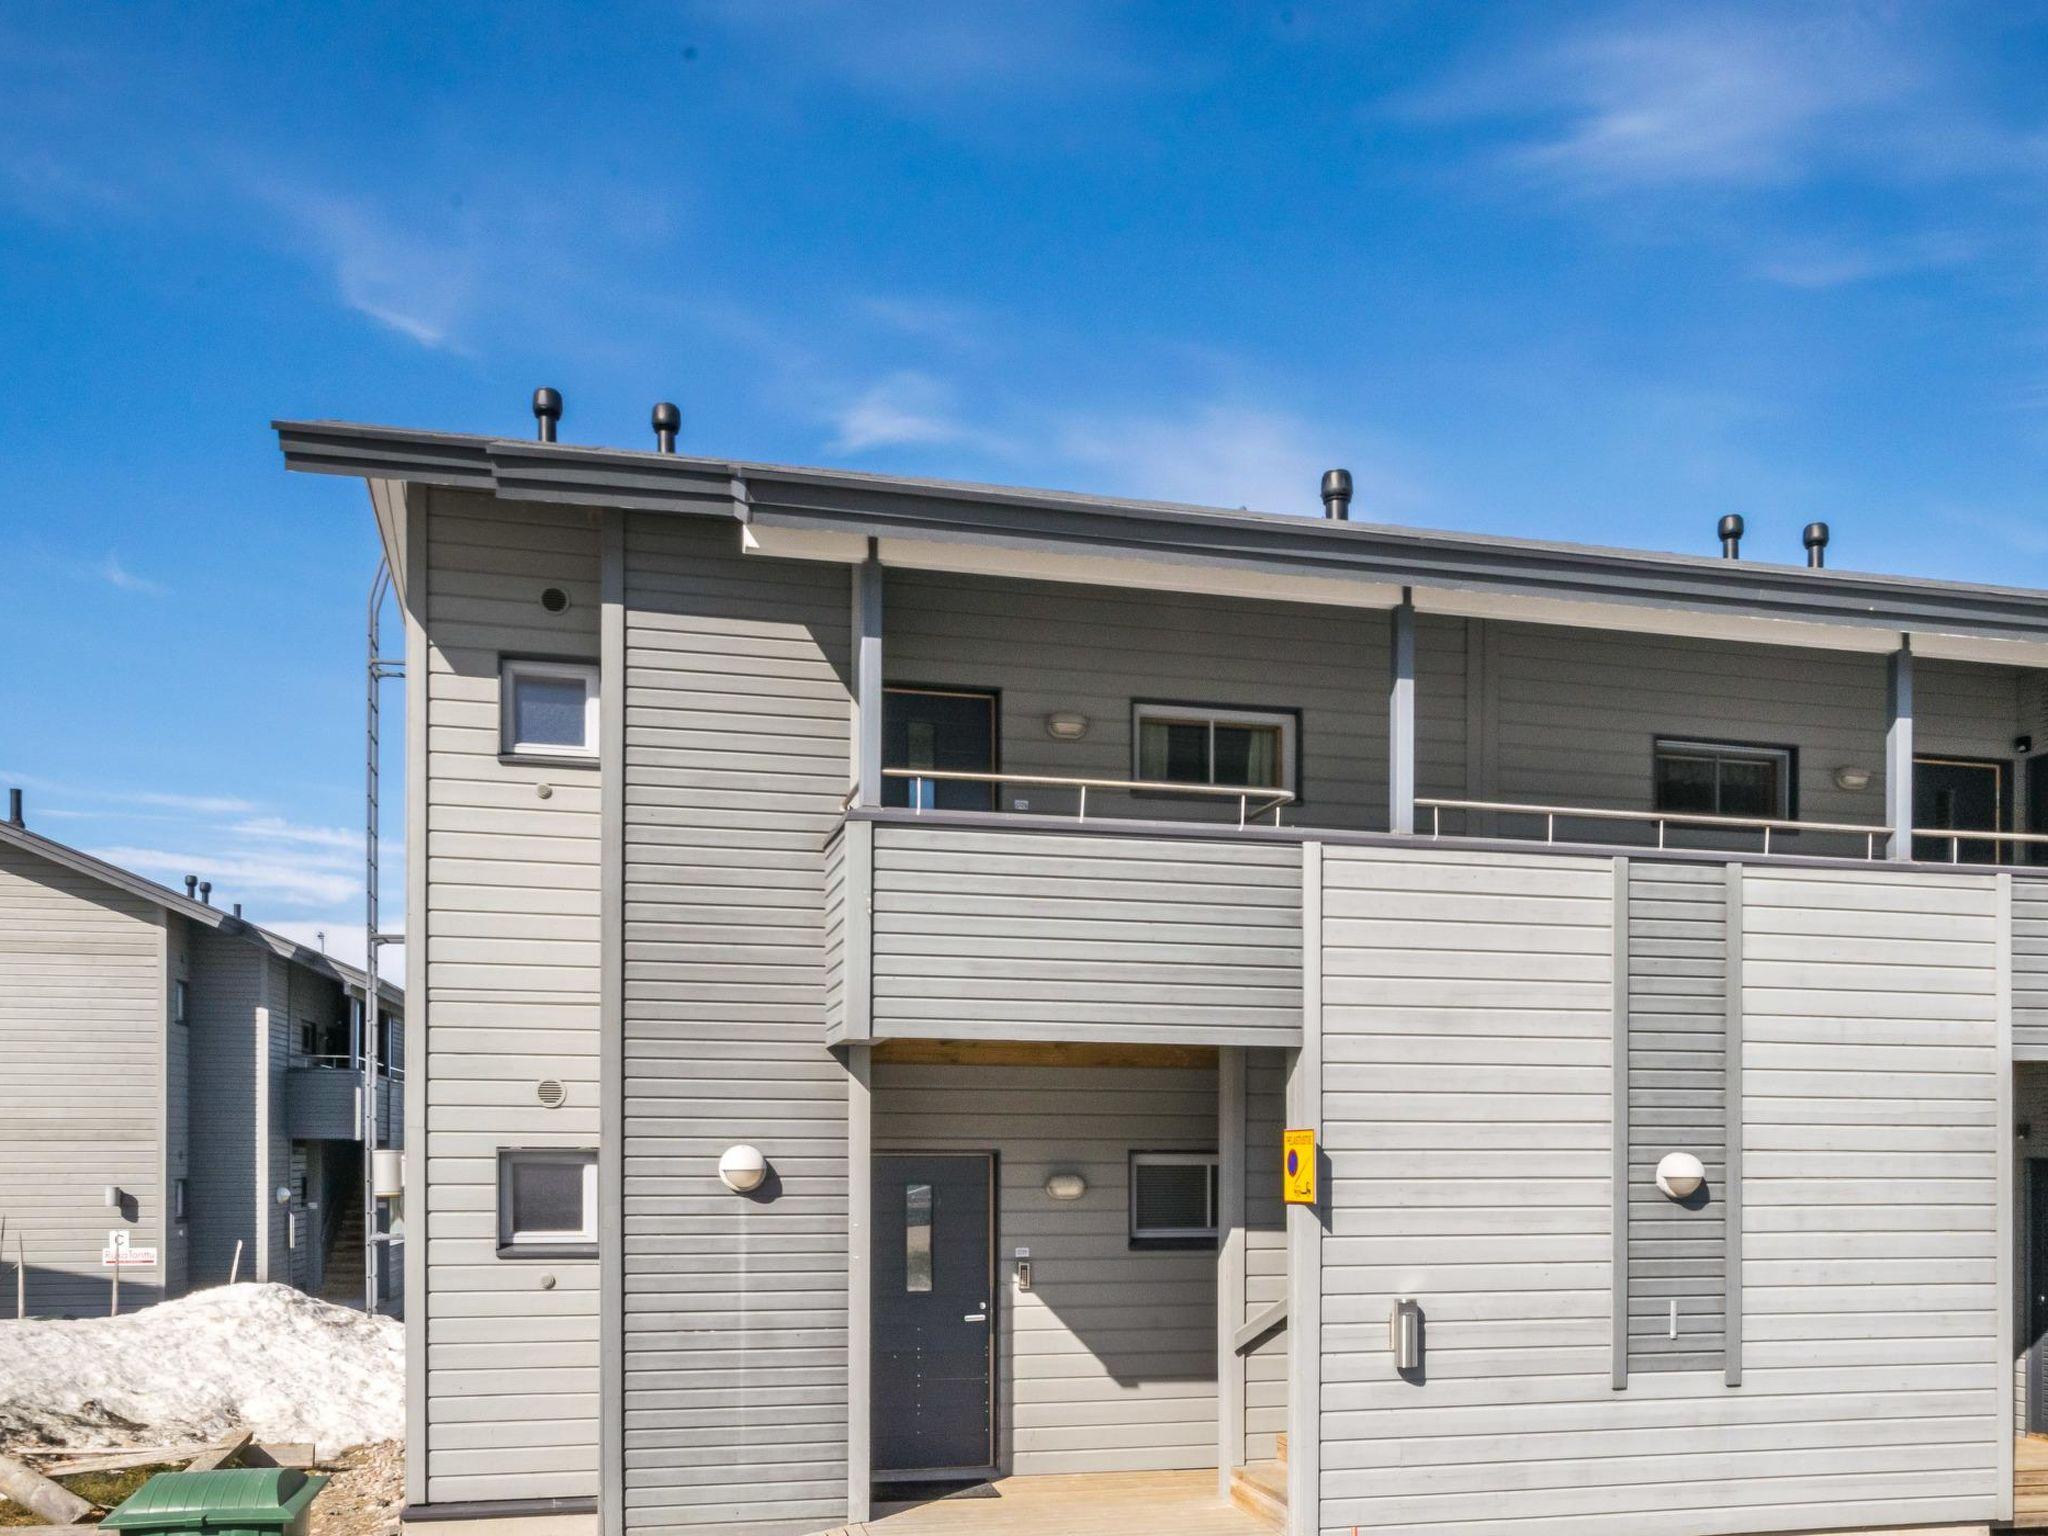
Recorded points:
(39, 1496)
(224, 1450)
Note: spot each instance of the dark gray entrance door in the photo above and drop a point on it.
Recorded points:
(949, 729)
(932, 1324)
(1970, 796)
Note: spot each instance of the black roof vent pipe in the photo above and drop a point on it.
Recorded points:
(668, 421)
(1731, 537)
(206, 892)
(547, 410)
(1337, 495)
(191, 887)
(14, 807)
(238, 909)
(1815, 538)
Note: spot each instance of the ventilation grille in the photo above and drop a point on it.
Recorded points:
(550, 1093)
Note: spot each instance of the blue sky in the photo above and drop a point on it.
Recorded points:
(1578, 271)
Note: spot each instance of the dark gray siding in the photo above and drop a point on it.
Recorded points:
(82, 989)
(1467, 1032)
(735, 1309)
(1049, 646)
(993, 934)
(1677, 1102)
(2030, 967)
(228, 981)
(1108, 1363)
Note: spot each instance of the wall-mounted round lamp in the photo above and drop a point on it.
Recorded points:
(741, 1169)
(1066, 1186)
(1679, 1175)
(1849, 777)
(284, 1194)
(1066, 725)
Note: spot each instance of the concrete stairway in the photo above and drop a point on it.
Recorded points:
(1260, 1489)
(343, 1281)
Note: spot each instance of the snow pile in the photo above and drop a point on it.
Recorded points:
(281, 1363)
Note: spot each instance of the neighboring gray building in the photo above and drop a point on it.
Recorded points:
(1008, 869)
(177, 1075)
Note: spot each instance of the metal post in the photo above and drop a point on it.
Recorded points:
(1401, 717)
(1898, 749)
(376, 669)
(867, 678)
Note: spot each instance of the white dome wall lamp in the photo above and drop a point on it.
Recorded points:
(741, 1169)
(1679, 1175)
(1066, 1185)
(1066, 725)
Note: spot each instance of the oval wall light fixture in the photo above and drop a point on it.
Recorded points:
(741, 1169)
(1066, 1186)
(1679, 1175)
(1848, 776)
(1066, 725)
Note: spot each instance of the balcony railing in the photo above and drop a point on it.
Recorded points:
(1253, 800)
(1660, 821)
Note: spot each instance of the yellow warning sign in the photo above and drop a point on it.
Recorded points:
(1298, 1167)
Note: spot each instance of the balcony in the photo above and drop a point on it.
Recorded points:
(323, 1101)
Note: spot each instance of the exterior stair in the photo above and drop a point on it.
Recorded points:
(1260, 1489)
(343, 1280)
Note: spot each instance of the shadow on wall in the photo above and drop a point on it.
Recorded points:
(61, 1293)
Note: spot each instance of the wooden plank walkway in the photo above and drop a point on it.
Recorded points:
(2030, 1483)
(1081, 1504)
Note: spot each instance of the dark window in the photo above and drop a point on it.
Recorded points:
(1174, 1196)
(944, 730)
(1705, 778)
(1197, 744)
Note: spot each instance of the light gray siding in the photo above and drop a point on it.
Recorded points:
(1021, 936)
(835, 935)
(511, 937)
(1108, 1363)
(2030, 967)
(1265, 1245)
(1467, 1036)
(82, 1007)
(1050, 647)
(1677, 1102)
(735, 1370)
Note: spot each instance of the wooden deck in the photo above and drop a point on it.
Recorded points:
(1091, 1504)
(2030, 1483)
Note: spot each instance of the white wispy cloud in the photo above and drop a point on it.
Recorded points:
(417, 286)
(905, 409)
(115, 574)
(249, 877)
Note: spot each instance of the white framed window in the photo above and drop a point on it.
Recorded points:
(547, 709)
(1174, 1196)
(1205, 744)
(547, 1199)
(1722, 778)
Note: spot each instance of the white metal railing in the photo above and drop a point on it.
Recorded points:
(326, 1063)
(1661, 820)
(1244, 794)
(1955, 837)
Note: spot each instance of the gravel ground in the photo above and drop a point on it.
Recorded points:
(366, 1493)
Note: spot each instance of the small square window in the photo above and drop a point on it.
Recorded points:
(181, 1002)
(548, 709)
(547, 1201)
(1174, 1196)
(178, 1189)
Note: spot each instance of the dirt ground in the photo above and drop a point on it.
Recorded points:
(362, 1498)
(366, 1493)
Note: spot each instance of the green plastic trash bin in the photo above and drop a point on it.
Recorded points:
(235, 1501)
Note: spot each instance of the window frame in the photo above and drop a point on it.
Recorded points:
(181, 1196)
(511, 669)
(1182, 712)
(1783, 753)
(557, 1244)
(181, 1001)
(1174, 1239)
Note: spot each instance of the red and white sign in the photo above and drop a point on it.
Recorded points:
(119, 1255)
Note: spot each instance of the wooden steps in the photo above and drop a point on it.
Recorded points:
(1260, 1489)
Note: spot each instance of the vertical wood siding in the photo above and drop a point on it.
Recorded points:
(735, 1368)
(512, 985)
(1677, 1102)
(1265, 1243)
(1467, 1044)
(82, 985)
(1108, 1363)
(1021, 936)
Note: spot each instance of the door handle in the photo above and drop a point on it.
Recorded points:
(975, 1317)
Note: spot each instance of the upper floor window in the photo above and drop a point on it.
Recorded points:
(1718, 778)
(1205, 744)
(548, 709)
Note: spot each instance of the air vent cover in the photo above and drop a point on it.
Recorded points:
(550, 1093)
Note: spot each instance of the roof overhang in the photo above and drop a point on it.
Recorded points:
(822, 514)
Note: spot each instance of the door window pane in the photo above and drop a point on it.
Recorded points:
(917, 1237)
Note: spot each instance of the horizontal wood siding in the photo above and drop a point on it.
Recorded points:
(1265, 1249)
(1048, 646)
(1677, 1102)
(1108, 1363)
(82, 1000)
(1044, 936)
(735, 1371)
(512, 986)
(2030, 965)
(1467, 1041)
(835, 935)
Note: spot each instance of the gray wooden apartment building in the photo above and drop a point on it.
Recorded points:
(871, 934)
(179, 1076)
